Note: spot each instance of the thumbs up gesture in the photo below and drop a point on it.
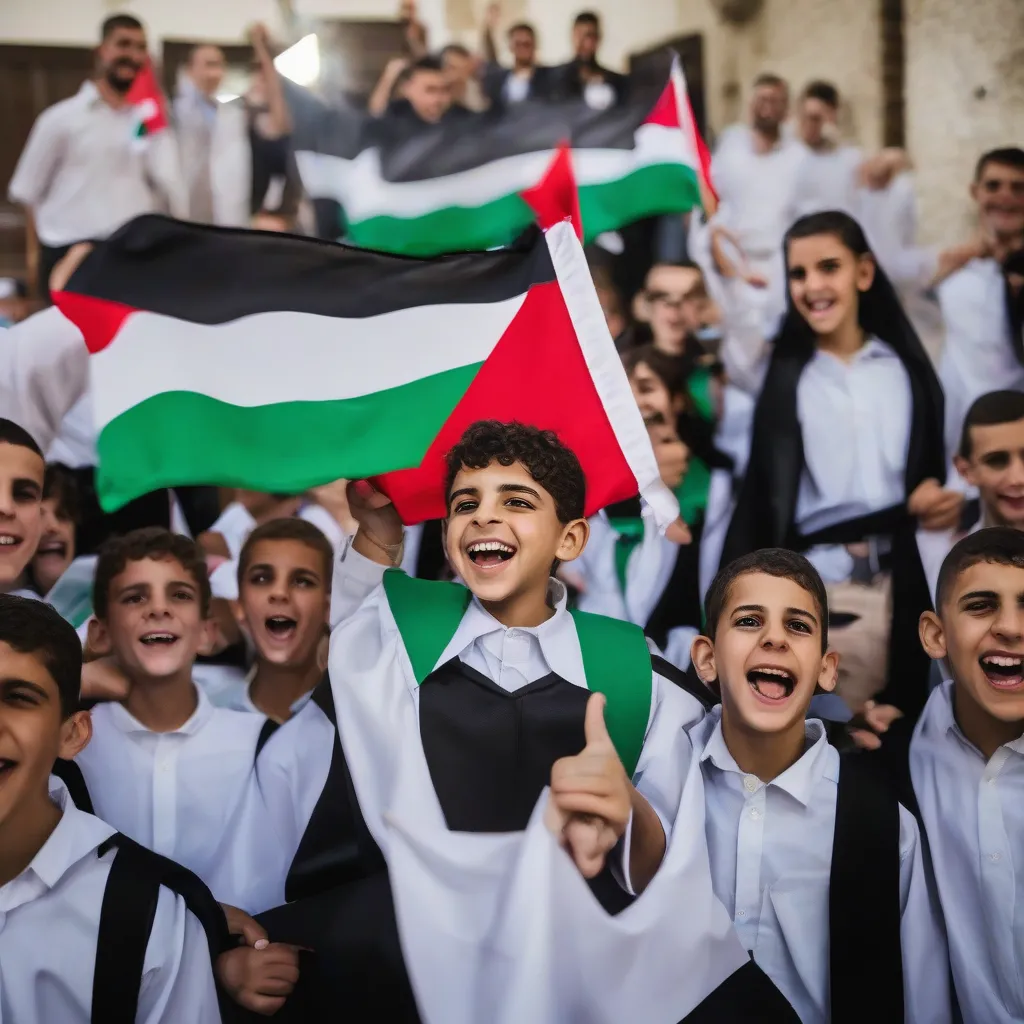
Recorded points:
(591, 795)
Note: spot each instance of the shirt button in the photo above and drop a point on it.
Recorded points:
(513, 634)
(995, 857)
(741, 913)
(749, 783)
(755, 813)
(165, 766)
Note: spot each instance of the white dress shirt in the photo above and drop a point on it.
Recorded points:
(826, 179)
(83, 175)
(49, 922)
(973, 812)
(771, 857)
(172, 791)
(44, 371)
(978, 355)
(648, 571)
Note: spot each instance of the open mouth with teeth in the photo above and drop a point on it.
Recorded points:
(490, 554)
(52, 546)
(159, 639)
(8, 542)
(819, 306)
(280, 627)
(772, 685)
(1003, 671)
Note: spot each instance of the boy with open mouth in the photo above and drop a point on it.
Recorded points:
(967, 767)
(819, 866)
(498, 754)
(21, 495)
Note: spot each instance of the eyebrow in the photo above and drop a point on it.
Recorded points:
(474, 492)
(295, 568)
(14, 683)
(27, 481)
(973, 595)
(789, 611)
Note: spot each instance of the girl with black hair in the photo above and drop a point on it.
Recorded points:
(847, 453)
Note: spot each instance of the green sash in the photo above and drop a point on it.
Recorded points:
(630, 532)
(616, 659)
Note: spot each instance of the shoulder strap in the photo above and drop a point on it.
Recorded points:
(427, 613)
(617, 663)
(126, 921)
(864, 898)
(71, 775)
(268, 730)
(688, 681)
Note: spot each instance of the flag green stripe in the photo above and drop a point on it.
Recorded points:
(651, 190)
(181, 437)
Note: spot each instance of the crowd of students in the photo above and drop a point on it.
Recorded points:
(267, 754)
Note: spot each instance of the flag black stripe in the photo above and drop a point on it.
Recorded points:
(212, 275)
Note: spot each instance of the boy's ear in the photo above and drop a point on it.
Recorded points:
(933, 636)
(75, 733)
(574, 539)
(98, 639)
(239, 616)
(210, 637)
(828, 677)
(641, 307)
(963, 467)
(702, 654)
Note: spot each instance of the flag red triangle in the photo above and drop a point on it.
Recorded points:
(554, 198)
(145, 95)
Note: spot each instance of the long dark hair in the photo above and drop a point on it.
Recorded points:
(879, 311)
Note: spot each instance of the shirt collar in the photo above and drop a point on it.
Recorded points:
(557, 636)
(798, 780)
(76, 835)
(128, 723)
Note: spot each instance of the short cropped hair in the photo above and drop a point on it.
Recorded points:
(999, 545)
(1007, 156)
(989, 411)
(150, 542)
(554, 466)
(427, 63)
(454, 49)
(823, 91)
(672, 371)
(11, 433)
(770, 79)
(116, 21)
(59, 485)
(291, 528)
(587, 18)
(522, 26)
(778, 562)
(32, 627)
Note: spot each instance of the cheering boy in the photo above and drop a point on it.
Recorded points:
(820, 868)
(967, 765)
(21, 502)
(94, 928)
(166, 767)
(468, 733)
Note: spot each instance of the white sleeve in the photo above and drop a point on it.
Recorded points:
(38, 162)
(745, 351)
(44, 370)
(231, 168)
(163, 165)
(355, 578)
(177, 978)
(262, 839)
(234, 524)
(926, 993)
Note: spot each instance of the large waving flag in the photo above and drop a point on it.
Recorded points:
(459, 186)
(279, 363)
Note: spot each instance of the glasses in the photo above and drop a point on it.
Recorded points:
(668, 301)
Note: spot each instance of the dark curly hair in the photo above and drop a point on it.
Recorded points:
(151, 542)
(553, 465)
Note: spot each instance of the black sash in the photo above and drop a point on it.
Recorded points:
(864, 898)
(126, 921)
(908, 665)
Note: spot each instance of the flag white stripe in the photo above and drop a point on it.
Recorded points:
(606, 370)
(269, 358)
(357, 184)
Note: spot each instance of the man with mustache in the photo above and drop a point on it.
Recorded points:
(82, 174)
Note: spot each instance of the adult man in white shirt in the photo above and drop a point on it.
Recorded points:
(754, 169)
(82, 174)
(983, 350)
(213, 138)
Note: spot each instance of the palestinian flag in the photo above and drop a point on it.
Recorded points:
(459, 186)
(278, 363)
(145, 97)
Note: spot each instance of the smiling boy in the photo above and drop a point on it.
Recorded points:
(466, 736)
(60, 868)
(967, 765)
(21, 496)
(819, 867)
(167, 768)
